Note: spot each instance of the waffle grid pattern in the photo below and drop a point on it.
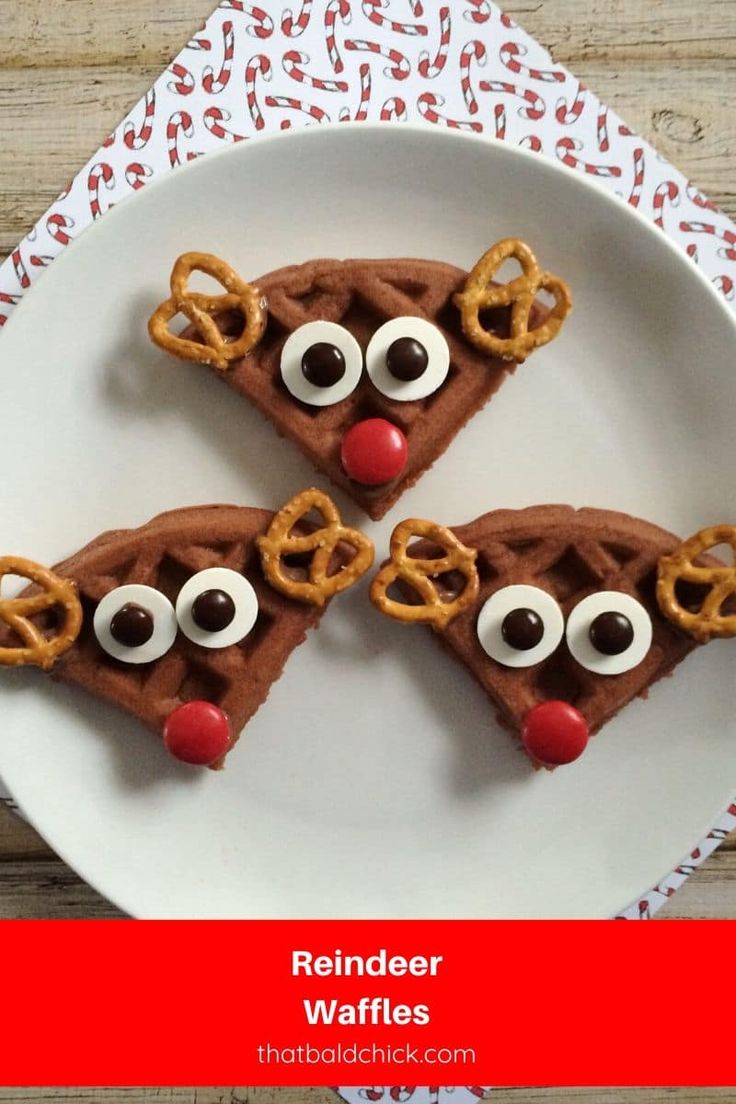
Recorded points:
(362, 295)
(236, 678)
(599, 551)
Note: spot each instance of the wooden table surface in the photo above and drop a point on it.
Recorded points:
(70, 69)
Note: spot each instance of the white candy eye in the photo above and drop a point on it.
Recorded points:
(321, 363)
(520, 625)
(216, 607)
(609, 632)
(407, 359)
(135, 624)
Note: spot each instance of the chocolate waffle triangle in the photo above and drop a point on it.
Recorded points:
(163, 554)
(360, 296)
(570, 555)
(226, 682)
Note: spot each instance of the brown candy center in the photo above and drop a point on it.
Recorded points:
(131, 626)
(213, 610)
(323, 364)
(611, 633)
(522, 629)
(406, 359)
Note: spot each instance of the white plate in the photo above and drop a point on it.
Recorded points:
(374, 781)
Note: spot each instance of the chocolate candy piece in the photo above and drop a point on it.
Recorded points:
(522, 629)
(199, 733)
(406, 359)
(373, 452)
(131, 626)
(213, 610)
(323, 364)
(611, 633)
(555, 732)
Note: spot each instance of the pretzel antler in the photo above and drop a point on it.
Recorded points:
(480, 294)
(280, 541)
(202, 311)
(38, 650)
(709, 621)
(418, 574)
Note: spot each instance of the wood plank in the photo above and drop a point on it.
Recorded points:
(684, 116)
(37, 34)
(51, 121)
(664, 30)
(710, 894)
(40, 35)
(18, 841)
(46, 889)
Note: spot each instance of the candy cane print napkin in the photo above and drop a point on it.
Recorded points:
(399, 1094)
(466, 66)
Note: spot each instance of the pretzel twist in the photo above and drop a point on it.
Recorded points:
(481, 294)
(202, 311)
(37, 649)
(418, 575)
(280, 541)
(709, 621)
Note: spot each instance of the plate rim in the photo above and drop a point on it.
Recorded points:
(545, 163)
(495, 147)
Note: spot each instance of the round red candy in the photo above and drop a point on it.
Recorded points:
(374, 452)
(554, 733)
(198, 733)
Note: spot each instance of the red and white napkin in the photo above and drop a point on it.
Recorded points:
(398, 1094)
(466, 65)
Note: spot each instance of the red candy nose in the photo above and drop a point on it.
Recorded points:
(555, 733)
(374, 451)
(198, 733)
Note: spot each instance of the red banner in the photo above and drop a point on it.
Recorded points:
(319, 1003)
